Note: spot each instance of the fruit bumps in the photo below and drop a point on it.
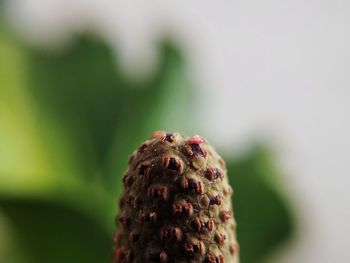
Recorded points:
(176, 206)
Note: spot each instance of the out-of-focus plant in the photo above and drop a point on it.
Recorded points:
(68, 121)
(262, 213)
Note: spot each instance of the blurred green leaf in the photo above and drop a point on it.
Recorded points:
(23, 163)
(68, 122)
(263, 216)
(80, 89)
(104, 115)
(49, 232)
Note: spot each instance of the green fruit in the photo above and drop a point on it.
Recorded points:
(176, 205)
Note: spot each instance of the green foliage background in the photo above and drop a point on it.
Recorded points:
(68, 121)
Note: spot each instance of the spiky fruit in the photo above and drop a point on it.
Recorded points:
(176, 205)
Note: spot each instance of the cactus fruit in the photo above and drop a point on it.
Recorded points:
(176, 205)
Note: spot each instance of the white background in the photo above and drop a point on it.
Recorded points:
(280, 69)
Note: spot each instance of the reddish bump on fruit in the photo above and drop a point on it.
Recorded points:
(215, 259)
(219, 238)
(158, 134)
(171, 234)
(193, 248)
(142, 147)
(123, 220)
(213, 174)
(183, 208)
(176, 204)
(225, 216)
(215, 200)
(131, 200)
(196, 150)
(202, 225)
(145, 170)
(169, 137)
(172, 163)
(191, 185)
(234, 248)
(196, 139)
(148, 217)
(160, 192)
(128, 180)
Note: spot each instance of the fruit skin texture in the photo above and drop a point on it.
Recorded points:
(176, 206)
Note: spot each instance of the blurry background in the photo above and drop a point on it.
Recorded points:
(83, 82)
